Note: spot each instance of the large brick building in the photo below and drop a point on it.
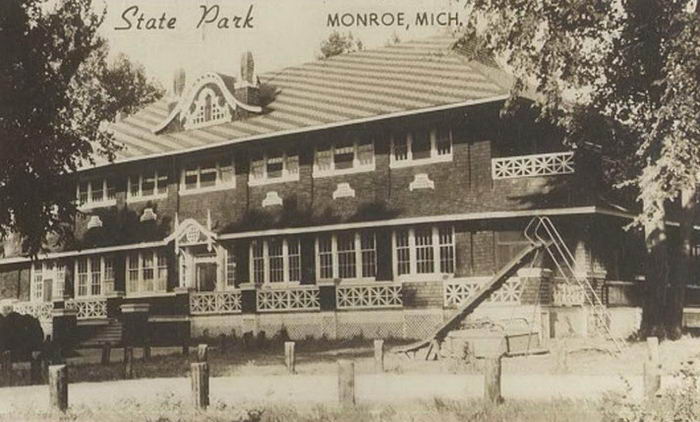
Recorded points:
(367, 193)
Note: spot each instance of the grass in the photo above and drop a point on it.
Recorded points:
(427, 411)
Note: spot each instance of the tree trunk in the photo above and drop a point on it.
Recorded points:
(681, 275)
(657, 271)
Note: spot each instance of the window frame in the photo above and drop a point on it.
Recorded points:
(103, 281)
(359, 253)
(219, 184)
(435, 156)
(107, 187)
(48, 270)
(159, 284)
(265, 259)
(265, 156)
(357, 166)
(437, 253)
(155, 195)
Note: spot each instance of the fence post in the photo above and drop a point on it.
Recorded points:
(202, 353)
(58, 387)
(35, 369)
(200, 384)
(128, 362)
(346, 383)
(652, 368)
(6, 365)
(106, 353)
(146, 350)
(492, 379)
(379, 355)
(289, 356)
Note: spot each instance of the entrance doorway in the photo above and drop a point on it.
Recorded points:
(205, 276)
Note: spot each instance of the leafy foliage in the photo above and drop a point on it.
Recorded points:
(57, 91)
(338, 43)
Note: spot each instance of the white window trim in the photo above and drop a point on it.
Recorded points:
(103, 279)
(228, 255)
(218, 184)
(141, 197)
(47, 274)
(410, 161)
(413, 274)
(336, 262)
(140, 280)
(266, 265)
(265, 180)
(94, 204)
(356, 166)
(199, 101)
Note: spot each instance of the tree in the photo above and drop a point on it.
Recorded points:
(338, 43)
(56, 92)
(632, 68)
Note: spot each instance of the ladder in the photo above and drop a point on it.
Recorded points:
(542, 230)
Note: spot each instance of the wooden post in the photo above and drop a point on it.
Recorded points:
(35, 369)
(106, 353)
(146, 351)
(185, 348)
(128, 362)
(346, 383)
(652, 368)
(492, 379)
(58, 387)
(379, 355)
(222, 343)
(200, 384)
(289, 356)
(202, 353)
(6, 370)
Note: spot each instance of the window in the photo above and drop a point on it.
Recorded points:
(276, 260)
(94, 275)
(508, 245)
(421, 146)
(424, 250)
(343, 158)
(230, 268)
(273, 167)
(346, 255)
(209, 108)
(153, 184)
(147, 271)
(38, 282)
(96, 192)
(208, 175)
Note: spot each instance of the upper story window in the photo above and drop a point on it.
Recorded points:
(347, 255)
(276, 261)
(421, 146)
(96, 193)
(343, 158)
(48, 280)
(152, 184)
(272, 167)
(209, 108)
(424, 251)
(207, 175)
(93, 275)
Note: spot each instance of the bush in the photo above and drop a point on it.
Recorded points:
(21, 334)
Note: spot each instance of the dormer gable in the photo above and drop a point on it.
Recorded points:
(213, 98)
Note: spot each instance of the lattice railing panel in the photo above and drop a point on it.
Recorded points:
(458, 291)
(203, 303)
(39, 310)
(532, 165)
(568, 295)
(88, 308)
(288, 299)
(369, 296)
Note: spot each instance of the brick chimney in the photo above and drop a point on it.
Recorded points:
(247, 89)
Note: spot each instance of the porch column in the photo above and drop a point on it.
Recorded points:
(135, 322)
(65, 328)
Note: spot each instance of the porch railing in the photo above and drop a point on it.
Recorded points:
(532, 165)
(298, 298)
(88, 308)
(458, 291)
(369, 296)
(568, 295)
(39, 310)
(206, 303)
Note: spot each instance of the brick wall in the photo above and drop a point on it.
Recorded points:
(14, 281)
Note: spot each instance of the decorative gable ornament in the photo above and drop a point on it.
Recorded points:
(215, 98)
(148, 215)
(94, 222)
(190, 232)
(421, 181)
(343, 190)
(271, 198)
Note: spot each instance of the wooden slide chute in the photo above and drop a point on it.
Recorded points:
(470, 304)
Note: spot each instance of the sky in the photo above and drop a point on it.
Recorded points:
(284, 33)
